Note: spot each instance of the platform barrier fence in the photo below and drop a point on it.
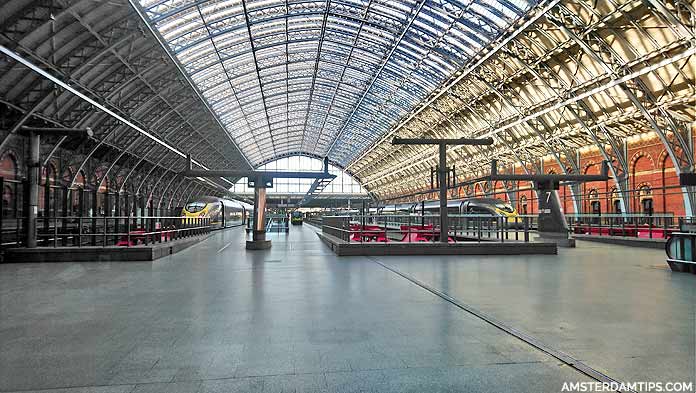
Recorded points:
(426, 228)
(123, 231)
(656, 226)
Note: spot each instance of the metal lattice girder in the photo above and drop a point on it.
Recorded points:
(543, 95)
(101, 50)
(322, 77)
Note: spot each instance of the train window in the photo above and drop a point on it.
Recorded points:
(195, 207)
(478, 210)
(504, 207)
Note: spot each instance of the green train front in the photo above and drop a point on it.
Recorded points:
(296, 217)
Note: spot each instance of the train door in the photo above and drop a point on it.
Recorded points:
(233, 215)
(223, 215)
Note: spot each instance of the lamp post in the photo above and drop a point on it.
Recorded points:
(442, 170)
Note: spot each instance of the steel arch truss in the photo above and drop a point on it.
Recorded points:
(103, 51)
(586, 74)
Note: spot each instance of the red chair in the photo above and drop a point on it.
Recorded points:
(366, 233)
(136, 237)
(356, 233)
(657, 233)
(416, 233)
(372, 232)
(381, 237)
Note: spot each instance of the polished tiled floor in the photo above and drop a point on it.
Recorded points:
(618, 309)
(215, 318)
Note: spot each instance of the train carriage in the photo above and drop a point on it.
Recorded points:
(223, 213)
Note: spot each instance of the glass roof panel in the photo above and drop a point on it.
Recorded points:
(325, 78)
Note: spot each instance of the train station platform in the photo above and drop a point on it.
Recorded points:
(218, 318)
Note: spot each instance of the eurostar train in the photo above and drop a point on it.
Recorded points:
(223, 213)
(479, 206)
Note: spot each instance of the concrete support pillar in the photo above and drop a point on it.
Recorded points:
(47, 203)
(64, 213)
(442, 173)
(33, 166)
(81, 202)
(95, 214)
(118, 212)
(128, 210)
(107, 203)
(258, 234)
(552, 222)
(2, 208)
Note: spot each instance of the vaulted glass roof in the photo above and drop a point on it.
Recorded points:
(323, 77)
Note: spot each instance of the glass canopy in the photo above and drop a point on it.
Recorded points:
(326, 78)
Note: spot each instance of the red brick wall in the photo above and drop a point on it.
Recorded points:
(649, 165)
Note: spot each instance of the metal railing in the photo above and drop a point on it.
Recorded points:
(124, 231)
(425, 228)
(657, 226)
(277, 223)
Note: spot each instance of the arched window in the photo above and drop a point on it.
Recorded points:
(102, 186)
(8, 167)
(75, 191)
(616, 201)
(8, 170)
(478, 190)
(48, 180)
(595, 203)
(8, 201)
(342, 184)
(523, 205)
(646, 200)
